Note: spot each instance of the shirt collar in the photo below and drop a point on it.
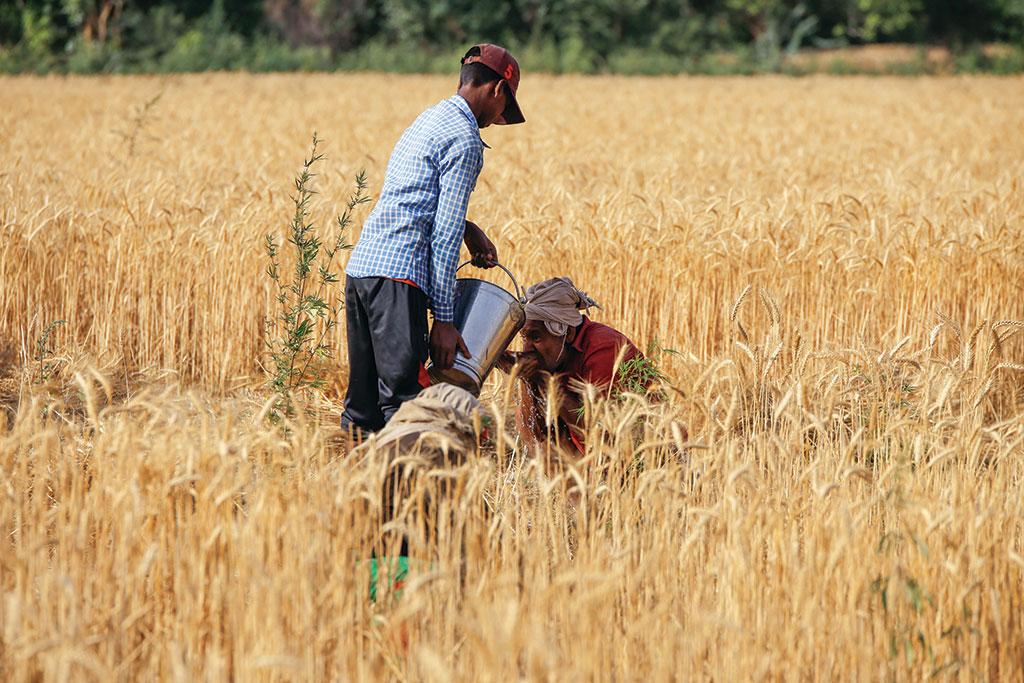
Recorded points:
(581, 331)
(462, 105)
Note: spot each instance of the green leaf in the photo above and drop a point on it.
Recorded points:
(914, 594)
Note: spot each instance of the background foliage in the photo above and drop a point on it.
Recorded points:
(587, 36)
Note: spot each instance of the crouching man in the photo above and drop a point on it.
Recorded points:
(559, 340)
(421, 451)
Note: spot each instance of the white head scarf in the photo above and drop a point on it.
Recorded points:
(557, 303)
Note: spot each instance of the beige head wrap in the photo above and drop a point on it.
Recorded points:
(557, 303)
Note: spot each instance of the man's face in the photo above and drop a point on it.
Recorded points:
(495, 102)
(548, 346)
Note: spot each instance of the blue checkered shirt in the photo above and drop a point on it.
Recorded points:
(415, 230)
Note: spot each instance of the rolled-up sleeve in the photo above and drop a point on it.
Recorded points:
(458, 169)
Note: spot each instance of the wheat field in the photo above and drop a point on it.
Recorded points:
(830, 489)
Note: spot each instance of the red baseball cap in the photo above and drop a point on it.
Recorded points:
(500, 61)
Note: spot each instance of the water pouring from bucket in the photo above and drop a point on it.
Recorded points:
(488, 317)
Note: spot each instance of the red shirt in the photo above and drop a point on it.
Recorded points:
(593, 352)
(591, 358)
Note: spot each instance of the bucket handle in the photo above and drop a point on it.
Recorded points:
(519, 295)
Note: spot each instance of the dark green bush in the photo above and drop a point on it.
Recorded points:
(555, 36)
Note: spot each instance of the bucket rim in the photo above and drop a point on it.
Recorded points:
(492, 284)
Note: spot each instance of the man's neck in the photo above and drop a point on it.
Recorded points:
(472, 97)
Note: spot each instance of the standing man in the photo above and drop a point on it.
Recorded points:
(407, 253)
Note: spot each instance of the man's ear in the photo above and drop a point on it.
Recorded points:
(498, 85)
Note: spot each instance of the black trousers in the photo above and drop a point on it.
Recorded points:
(388, 344)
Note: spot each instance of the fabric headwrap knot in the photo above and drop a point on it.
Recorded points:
(557, 303)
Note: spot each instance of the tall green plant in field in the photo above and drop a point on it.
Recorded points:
(296, 334)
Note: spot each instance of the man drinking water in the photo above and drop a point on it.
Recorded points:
(559, 340)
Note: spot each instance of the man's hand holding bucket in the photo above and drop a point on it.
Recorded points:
(445, 340)
(481, 248)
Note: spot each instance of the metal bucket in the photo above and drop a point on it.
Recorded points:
(488, 318)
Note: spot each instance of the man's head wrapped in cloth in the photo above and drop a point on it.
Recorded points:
(557, 303)
(553, 312)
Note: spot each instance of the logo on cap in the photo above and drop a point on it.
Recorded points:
(508, 72)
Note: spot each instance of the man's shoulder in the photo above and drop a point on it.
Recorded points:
(450, 128)
(599, 346)
(602, 343)
(599, 334)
